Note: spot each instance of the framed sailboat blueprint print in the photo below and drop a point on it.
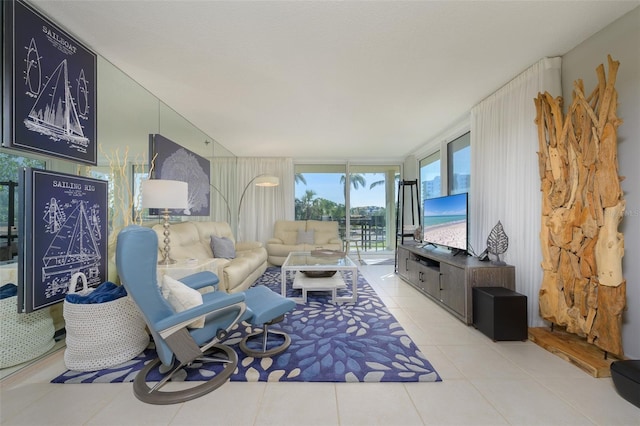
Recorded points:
(63, 221)
(49, 79)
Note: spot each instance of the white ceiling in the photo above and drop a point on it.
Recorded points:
(331, 80)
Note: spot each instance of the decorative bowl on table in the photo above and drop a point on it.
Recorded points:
(319, 274)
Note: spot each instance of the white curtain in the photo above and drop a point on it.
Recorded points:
(262, 205)
(223, 182)
(506, 183)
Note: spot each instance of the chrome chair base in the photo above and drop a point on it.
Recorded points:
(265, 351)
(155, 395)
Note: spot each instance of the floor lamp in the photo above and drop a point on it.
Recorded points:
(260, 180)
(226, 202)
(263, 180)
(165, 194)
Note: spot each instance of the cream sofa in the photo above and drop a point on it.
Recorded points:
(288, 236)
(192, 240)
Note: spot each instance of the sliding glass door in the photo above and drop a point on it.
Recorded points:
(372, 206)
(367, 192)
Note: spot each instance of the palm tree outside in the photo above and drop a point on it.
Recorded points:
(357, 181)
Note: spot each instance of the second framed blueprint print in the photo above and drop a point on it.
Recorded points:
(63, 230)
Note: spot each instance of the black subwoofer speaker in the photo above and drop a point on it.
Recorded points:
(500, 313)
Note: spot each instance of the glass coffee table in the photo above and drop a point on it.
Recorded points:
(314, 273)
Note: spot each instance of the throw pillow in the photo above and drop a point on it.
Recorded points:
(8, 290)
(306, 237)
(222, 247)
(181, 297)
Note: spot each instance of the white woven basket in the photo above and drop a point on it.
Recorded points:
(23, 337)
(102, 335)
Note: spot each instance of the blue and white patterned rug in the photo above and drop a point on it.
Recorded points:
(349, 342)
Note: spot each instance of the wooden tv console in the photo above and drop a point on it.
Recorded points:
(449, 279)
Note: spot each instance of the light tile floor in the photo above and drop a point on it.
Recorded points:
(484, 382)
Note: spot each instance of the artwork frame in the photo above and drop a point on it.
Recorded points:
(172, 161)
(63, 229)
(41, 116)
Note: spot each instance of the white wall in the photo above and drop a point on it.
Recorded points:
(621, 40)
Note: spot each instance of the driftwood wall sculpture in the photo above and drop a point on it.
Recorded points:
(582, 205)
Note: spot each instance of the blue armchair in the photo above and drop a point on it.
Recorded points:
(136, 261)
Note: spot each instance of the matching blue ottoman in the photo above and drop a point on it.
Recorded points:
(267, 308)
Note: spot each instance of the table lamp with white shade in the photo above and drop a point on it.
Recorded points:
(164, 195)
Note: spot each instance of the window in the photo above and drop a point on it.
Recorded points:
(451, 177)
(430, 182)
(320, 192)
(324, 192)
(459, 164)
(10, 166)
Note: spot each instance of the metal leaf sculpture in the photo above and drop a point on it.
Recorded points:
(497, 242)
(417, 234)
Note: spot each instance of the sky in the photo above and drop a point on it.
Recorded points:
(328, 186)
(461, 159)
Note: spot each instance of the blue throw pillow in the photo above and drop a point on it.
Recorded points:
(222, 247)
(8, 290)
(105, 292)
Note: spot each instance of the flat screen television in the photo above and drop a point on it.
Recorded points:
(445, 221)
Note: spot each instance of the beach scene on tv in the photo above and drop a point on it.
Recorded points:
(445, 221)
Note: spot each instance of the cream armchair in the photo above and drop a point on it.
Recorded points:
(301, 235)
